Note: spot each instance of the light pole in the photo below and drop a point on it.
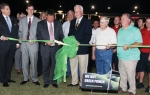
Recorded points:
(109, 8)
(27, 1)
(92, 7)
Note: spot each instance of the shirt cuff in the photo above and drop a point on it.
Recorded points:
(1, 37)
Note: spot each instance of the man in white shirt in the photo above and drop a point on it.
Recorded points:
(91, 62)
(66, 26)
(103, 54)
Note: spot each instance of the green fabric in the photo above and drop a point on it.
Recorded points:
(128, 36)
(61, 58)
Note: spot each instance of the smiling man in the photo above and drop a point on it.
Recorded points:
(103, 54)
(128, 56)
(8, 28)
(27, 29)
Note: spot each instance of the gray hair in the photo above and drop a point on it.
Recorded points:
(79, 6)
(105, 18)
(70, 11)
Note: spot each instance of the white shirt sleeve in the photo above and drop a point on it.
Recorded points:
(93, 40)
(113, 37)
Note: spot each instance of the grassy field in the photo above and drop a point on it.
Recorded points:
(32, 89)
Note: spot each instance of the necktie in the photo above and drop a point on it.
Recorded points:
(76, 26)
(51, 33)
(29, 25)
(8, 23)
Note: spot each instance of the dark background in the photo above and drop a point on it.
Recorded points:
(117, 6)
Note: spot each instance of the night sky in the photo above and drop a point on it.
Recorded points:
(117, 6)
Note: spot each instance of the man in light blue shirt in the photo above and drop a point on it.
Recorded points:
(128, 56)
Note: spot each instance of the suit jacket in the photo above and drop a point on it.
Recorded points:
(23, 32)
(43, 34)
(4, 30)
(82, 34)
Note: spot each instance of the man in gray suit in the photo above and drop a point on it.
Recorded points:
(49, 29)
(27, 29)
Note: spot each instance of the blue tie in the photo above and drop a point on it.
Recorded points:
(8, 23)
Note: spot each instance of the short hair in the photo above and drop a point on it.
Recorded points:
(79, 7)
(50, 12)
(43, 13)
(29, 5)
(118, 17)
(2, 5)
(105, 18)
(70, 11)
(96, 20)
(143, 19)
(129, 16)
(147, 18)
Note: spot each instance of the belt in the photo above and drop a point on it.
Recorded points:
(102, 49)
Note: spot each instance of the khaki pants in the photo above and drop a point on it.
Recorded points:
(82, 60)
(127, 70)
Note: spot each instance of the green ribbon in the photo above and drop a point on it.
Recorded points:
(62, 55)
(13, 39)
(69, 49)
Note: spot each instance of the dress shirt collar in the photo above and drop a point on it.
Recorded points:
(79, 20)
(30, 17)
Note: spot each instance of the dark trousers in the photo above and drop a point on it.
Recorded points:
(48, 63)
(39, 64)
(115, 60)
(91, 62)
(6, 61)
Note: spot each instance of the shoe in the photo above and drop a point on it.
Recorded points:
(5, 84)
(11, 81)
(67, 77)
(45, 85)
(121, 91)
(36, 83)
(147, 89)
(19, 71)
(80, 88)
(130, 93)
(72, 85)
(55, 85)
(39, 75)
(24, 82)
(140, 85)
(137, 81)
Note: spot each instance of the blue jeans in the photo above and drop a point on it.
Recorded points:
(69, 70)
(103, 60)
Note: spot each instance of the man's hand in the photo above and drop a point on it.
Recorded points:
(17, 46)
(149, 58)
(31, 42)
(114, 50)
(48, 43)
(3, 38)
(107, 47)
(93, 57)
(20, 40)
(78, 43)
(125, 47)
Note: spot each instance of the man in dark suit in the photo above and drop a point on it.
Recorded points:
(81, 28)
(8, 28)
(49, 29)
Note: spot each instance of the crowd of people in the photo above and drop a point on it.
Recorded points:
(33, 59)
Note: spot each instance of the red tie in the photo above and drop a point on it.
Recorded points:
(29, 25)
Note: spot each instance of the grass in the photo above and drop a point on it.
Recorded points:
(32, 89)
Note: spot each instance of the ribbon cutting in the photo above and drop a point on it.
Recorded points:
(59, 42)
